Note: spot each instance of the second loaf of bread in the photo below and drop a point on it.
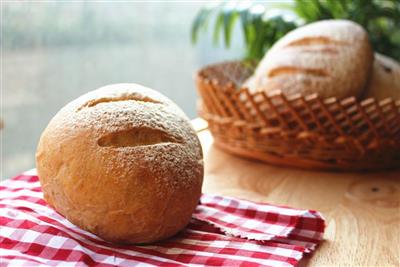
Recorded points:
(385, 78)
(331, 58)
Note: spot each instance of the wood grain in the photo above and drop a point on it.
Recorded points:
(362, 210)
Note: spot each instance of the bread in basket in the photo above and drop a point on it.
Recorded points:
(307, 130)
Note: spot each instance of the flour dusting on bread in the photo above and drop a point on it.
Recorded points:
(123, 162)
(332, 58)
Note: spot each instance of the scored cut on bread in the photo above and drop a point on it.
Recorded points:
(332, 58)
(122, 162)
(385, 79)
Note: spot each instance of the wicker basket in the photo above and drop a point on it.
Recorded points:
(302, 131)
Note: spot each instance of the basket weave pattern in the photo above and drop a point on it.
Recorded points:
(302, 131)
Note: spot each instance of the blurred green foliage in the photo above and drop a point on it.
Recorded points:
(381, 18)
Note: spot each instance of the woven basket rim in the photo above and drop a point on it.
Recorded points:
(330, 123)
(199, 75)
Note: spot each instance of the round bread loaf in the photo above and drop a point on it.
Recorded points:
(122, 162)
(332, 58)
(385, 80)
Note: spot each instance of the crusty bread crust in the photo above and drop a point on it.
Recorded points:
(332, 58)
(122, 162)
(385, 80)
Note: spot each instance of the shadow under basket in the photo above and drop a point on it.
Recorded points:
(300, 131)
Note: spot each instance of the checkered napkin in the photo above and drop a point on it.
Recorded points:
(223, 232)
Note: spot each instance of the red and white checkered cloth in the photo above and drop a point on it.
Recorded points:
(223, 232)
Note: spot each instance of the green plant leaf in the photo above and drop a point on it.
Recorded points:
(244, 14)
(217, 27)
(200, 22)
(381, 18)
(230, 15)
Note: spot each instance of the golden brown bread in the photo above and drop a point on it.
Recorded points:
(122, 162)
(331, 58)
(385, 80)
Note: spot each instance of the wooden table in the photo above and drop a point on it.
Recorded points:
(362, 210)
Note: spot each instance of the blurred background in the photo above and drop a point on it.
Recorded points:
(53, 52)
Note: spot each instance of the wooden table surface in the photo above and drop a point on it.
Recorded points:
(362, 210)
